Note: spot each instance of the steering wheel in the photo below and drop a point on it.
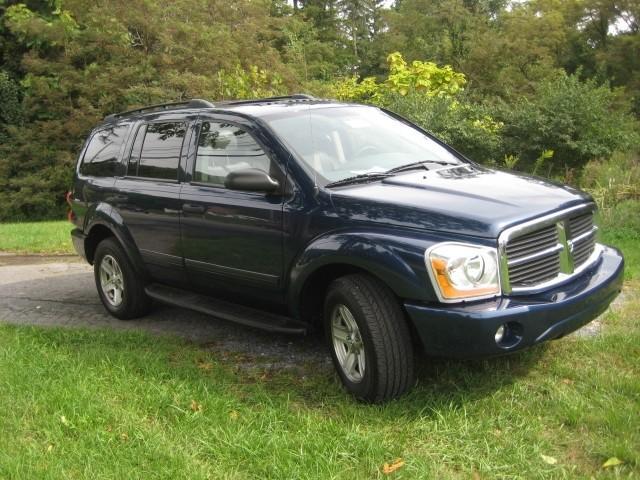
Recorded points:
(367, 149)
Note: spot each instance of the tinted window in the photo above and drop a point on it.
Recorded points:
(101, 158)
(134, 159)
(161, 148)
(223, 148)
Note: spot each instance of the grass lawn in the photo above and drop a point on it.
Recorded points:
(36, 237)
(106, 404)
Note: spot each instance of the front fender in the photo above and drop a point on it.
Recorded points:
(396, 261)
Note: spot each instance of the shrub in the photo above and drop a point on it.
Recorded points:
(612, 181)
(466, 126)
(579, 121)
(418, 78)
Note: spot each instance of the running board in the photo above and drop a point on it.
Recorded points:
(232, 312)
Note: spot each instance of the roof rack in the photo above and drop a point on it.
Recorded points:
(193, 103)
(295, 96)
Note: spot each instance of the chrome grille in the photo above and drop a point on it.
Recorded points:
(543, 252)
(534, 257)
(582, 238)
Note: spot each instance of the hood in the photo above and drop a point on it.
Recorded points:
(466, 200)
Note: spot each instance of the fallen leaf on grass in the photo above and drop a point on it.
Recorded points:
(124, 436)
(549, 460)
(388, 468)
(195, 406)
(612, 462)
(206, 366)
(233, 414)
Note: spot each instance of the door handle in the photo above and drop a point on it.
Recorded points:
(188, 208)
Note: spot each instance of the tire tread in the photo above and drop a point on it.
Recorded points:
(384, 318)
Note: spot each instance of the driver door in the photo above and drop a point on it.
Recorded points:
(232, 240)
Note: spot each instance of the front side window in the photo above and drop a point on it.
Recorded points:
(102, 156)
(160, 154)
(223, 148)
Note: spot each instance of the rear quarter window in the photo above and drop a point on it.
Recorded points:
(102, 155)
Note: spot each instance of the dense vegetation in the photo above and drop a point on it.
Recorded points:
(539, 85)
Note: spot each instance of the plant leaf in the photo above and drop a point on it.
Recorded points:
(195, 406)
(388, 468)
(612, 462)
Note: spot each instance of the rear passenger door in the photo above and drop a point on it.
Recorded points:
(232, 239)
(149, 196)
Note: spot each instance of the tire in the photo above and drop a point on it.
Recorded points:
(132, 301)
(387, 369)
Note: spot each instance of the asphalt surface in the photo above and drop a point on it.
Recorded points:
(60, 291)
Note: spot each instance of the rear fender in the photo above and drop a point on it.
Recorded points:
(103, 215)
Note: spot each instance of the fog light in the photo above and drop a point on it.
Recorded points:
(499, 336)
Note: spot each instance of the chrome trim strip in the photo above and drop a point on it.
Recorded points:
(597, 251)
(582, 236)
(547, 251)
(566, 261)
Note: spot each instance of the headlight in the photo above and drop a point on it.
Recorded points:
(460, 271)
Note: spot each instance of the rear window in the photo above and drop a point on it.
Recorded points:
(102, 156)
(160, 154)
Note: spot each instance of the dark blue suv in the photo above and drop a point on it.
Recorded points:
(295, 214)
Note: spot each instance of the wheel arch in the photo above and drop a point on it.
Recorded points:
(334, 256)
(106, 223)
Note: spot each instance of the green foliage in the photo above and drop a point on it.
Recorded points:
(578, 120)
(613, 181)
(10, 106)
(503, 82)
(465, 125)
(83, 62)
(420, 78)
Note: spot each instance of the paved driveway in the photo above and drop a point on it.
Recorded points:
(61, 291)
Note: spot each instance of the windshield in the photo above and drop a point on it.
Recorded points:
(341, 142)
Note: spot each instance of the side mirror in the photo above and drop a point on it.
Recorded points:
(251, 179)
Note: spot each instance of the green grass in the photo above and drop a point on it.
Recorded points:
(106, 404)
(36, 237)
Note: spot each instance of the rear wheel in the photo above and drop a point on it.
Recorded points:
(369, 339)
(121, 291)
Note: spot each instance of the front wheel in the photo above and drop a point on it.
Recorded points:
(369, 339)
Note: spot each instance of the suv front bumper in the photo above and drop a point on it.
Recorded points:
(468, 330)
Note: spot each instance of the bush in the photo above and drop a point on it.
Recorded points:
(466, 126)
(579, 121)
(613, 181)
(10, 107)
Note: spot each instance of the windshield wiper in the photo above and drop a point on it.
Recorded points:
(420, 164)
(362, 178)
